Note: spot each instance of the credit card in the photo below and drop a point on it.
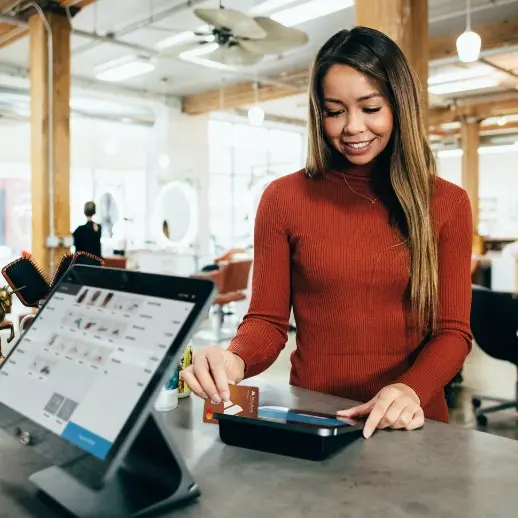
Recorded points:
(244, 401)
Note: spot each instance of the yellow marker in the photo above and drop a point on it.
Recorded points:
(185, 361)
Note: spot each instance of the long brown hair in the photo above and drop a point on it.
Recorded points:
(412, 165)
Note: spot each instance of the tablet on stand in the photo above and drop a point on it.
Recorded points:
(88, 371)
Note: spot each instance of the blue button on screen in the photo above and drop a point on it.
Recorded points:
(86, 440)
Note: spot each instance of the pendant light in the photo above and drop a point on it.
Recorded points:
(469, 42)
(255, 113)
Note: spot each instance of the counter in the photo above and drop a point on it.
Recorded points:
(441, 471)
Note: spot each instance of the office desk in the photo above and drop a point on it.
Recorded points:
(438, 472)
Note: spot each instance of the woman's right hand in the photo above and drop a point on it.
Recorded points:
(211, 372)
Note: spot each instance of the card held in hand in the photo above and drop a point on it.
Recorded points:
(244, 401)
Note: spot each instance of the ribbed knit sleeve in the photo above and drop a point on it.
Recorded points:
(264, 331)
(442, 357)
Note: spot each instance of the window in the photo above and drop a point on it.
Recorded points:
(241, 157)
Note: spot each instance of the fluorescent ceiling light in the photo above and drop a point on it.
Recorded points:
(199, 51)
(193, 56)
(124, 68)
(463, 86)
(182, 37)
(458, 75)
(211, 64)
(269, 6)
(310, 11)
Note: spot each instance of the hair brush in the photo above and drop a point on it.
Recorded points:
(87, 259)
(27, 280)
(63, 266)
(69, 260)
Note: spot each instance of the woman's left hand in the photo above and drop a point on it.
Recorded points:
(395, 406)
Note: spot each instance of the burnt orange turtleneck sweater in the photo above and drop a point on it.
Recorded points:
(326, 250)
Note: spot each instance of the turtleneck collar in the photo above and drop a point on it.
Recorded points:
(369, 175)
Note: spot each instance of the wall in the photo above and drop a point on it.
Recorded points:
(182, 141)
(498, 190)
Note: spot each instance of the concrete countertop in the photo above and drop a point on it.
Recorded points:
(440, 471)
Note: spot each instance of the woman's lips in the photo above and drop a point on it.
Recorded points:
(358, 148)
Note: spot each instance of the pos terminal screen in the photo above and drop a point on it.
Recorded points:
(86, 360)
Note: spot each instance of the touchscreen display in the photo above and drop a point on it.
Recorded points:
(86, 360)
(289, 416)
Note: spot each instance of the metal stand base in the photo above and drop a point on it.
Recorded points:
(151, 478)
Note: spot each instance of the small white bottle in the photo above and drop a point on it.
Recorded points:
(168, 397)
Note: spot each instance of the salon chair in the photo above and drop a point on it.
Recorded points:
(232, 282)
(494, 324)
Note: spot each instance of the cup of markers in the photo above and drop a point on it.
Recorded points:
(175, 388)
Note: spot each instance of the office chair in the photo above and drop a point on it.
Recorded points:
(494, 324)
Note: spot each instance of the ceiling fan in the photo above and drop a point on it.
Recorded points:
(242, 39)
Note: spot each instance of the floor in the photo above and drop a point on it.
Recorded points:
(482, 375)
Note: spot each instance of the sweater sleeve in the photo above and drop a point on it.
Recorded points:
(443, 355)
(264, 331)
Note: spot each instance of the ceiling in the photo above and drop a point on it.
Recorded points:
(142, 23)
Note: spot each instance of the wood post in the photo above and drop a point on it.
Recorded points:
(406, 22)
(44, 141)
(470, 141)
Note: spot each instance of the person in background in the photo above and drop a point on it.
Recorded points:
(87, 237)
(370, 248)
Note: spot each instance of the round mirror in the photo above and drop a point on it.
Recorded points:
(176, 215)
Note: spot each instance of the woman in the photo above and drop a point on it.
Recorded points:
(87, 237)
(369, 246)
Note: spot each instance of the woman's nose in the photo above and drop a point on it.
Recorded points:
(354, 125)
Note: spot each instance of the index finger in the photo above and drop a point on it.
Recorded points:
(378, 412)
(219, 373)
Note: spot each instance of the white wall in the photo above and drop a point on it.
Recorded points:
(184, 139)
(498, 190)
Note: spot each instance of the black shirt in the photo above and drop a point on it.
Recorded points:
(88, 239)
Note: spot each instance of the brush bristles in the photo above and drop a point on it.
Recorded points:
(91, 259)
(30, 258)
(63, 266)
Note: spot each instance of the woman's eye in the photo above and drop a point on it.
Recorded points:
(371, 110)
(334, 114)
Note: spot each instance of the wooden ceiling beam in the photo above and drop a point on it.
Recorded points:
(480, 111)
(484, 129)
(11, 33)
(493, 36)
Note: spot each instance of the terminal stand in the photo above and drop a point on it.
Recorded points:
(152, 477)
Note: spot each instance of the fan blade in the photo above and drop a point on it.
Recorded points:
(234, 56)
(279, 39)
(240, 24)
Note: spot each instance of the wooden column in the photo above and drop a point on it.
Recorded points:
(406, 22)
(41, 88)
(470, 141)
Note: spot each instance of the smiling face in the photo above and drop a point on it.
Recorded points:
(357, 120)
